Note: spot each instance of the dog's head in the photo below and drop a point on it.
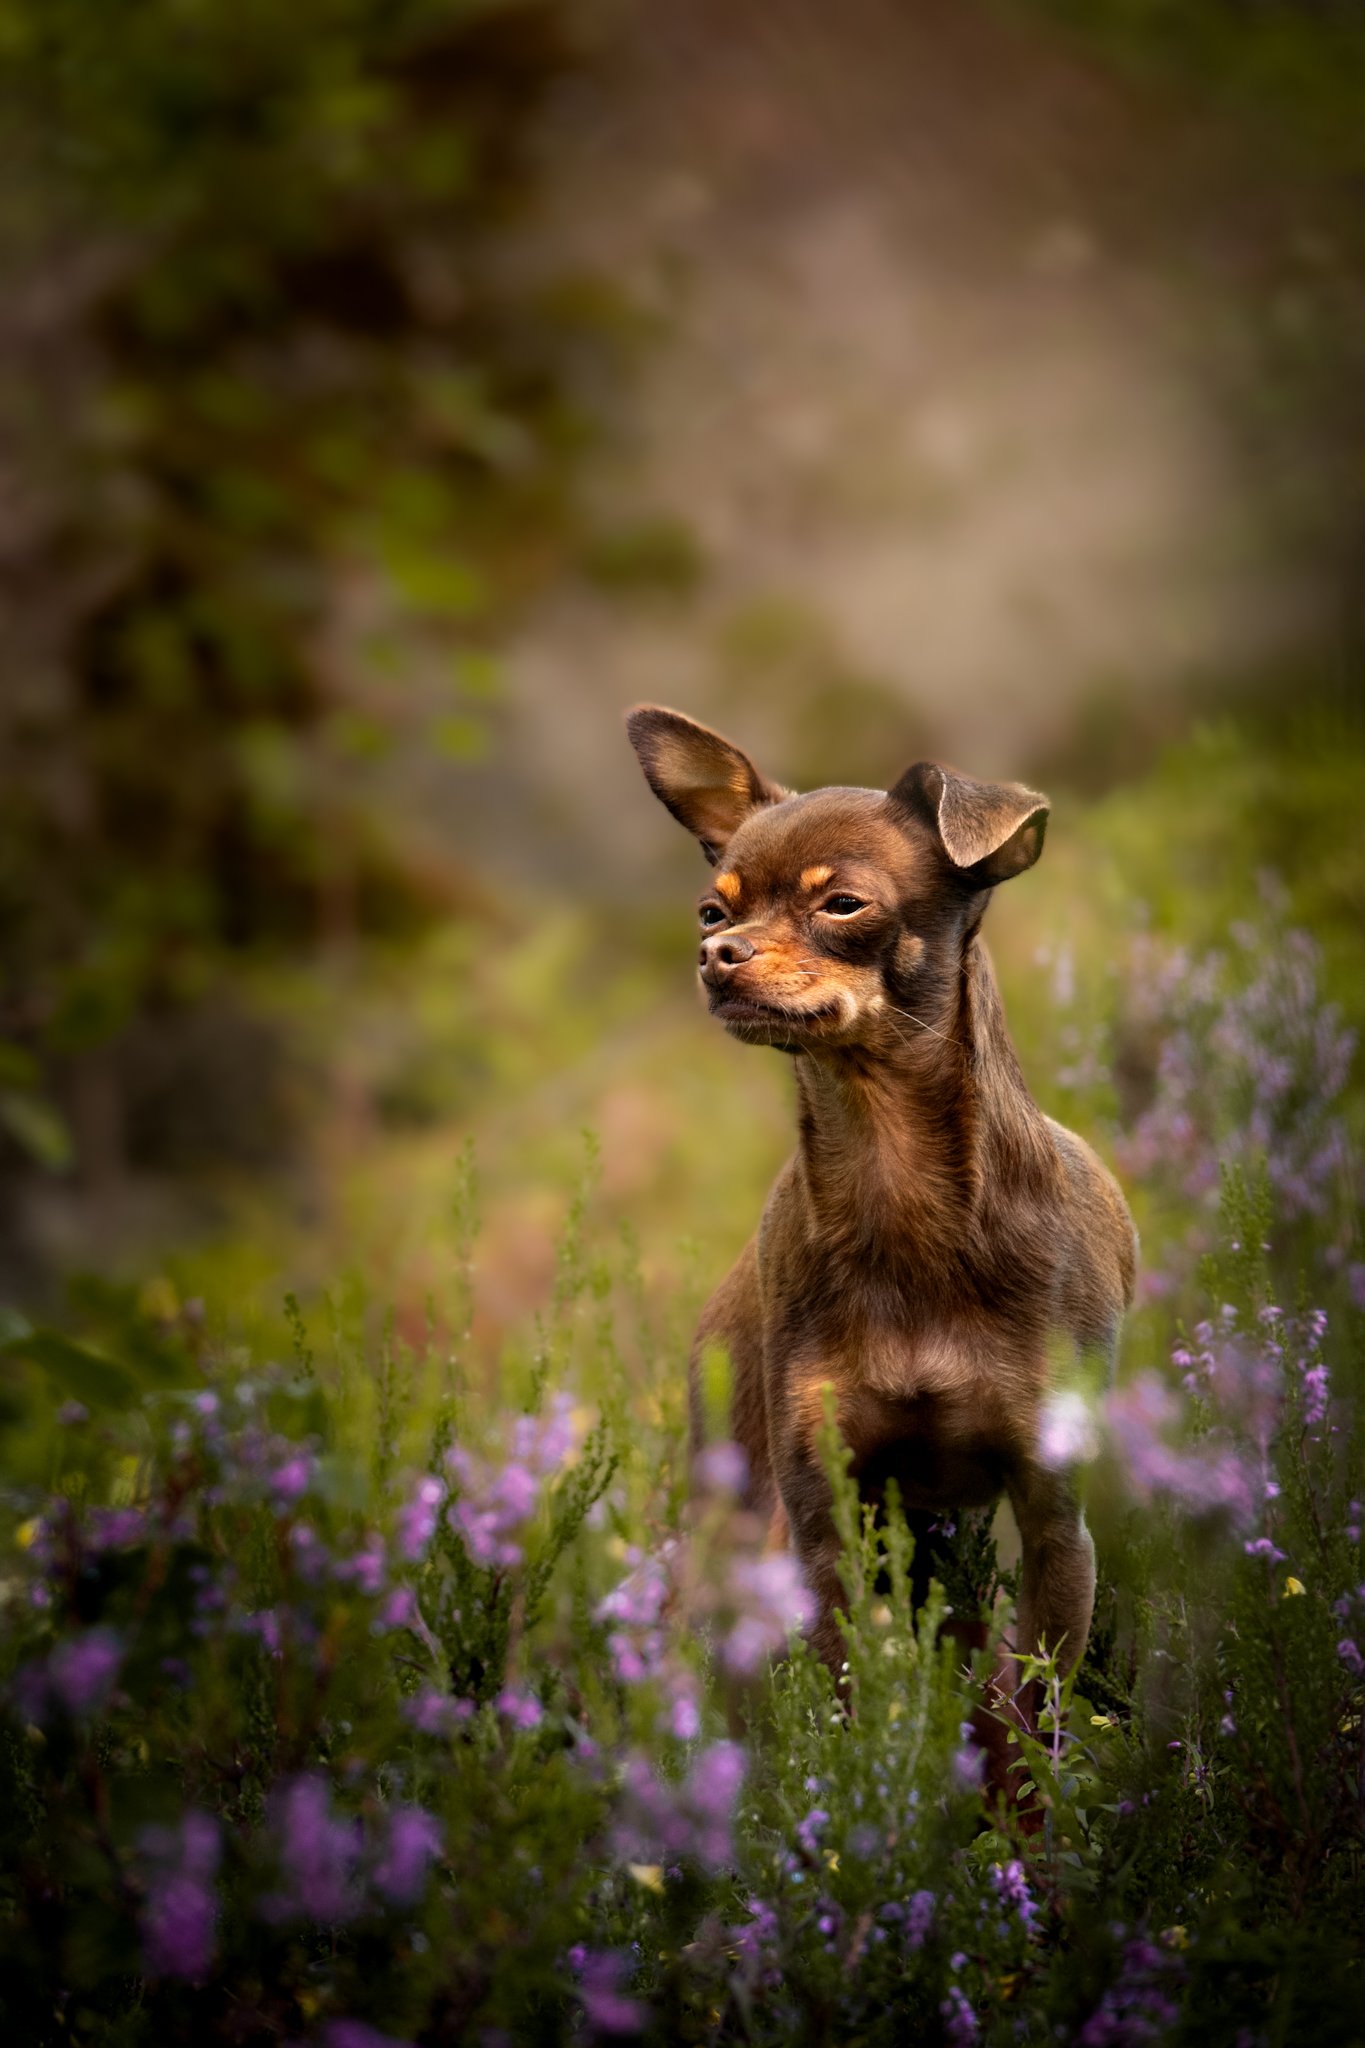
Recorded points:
(834, 917)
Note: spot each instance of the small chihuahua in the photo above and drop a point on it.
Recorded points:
(935, 1240)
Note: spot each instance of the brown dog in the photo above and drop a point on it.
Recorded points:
(935, 1240)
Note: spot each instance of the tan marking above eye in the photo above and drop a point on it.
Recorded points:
(815, 878)
(729, 887)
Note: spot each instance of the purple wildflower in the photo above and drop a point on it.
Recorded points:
(661, 1821)
(291, 1480)
(722, 1468)
(1315, 1386)
(413, 1843)
(115, 1529)
(1350, 1656)
(81, 1672)
(808, 1831)
(436, 1713)
(318, 1856)
(969, 1761)
(180, 1908)
(756, 1939)
(417, 1519)
(773, 1599)
(606, 2009)
(522, 1709)
(960, 2023)
(636, 1642)
(1011, 1888)
(919, 1914)
(1137, 2007)
(684, 1718)
(364, 1568)
(355, 2034)
(399, 1610)
(1206, 1479)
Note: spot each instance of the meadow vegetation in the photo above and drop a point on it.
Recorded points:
(392, 1679)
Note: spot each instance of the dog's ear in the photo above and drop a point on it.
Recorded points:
(709, 785)
(991, 830)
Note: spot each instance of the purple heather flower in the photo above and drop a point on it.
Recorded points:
(115, 1529)
(365, 1567)
(399, 1609)
(310, 1555)
(636, 1644)
(773, 1599)
(318, 1856)
(758, 1934)
(496, 1501)
(180, 1909)
(412, 1845)
(661, 1821)
(919, 1914)
(969, 1761)
(417, 1519)
(355, 2034)
(605, 2008)
(723, 1468)
(291, 1480)
(1205, 1479)
(436, 1713)
(808, 1831)
(1350, 1656)
(684, 1719)
(1261, 1546)
(1011, 1888)
(1137, 2007)
(81, 1671)
(522, 1709)
(1315, 1385)
(544, 1443)
(960, 2024)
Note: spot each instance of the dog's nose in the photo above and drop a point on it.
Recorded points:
(722, 952)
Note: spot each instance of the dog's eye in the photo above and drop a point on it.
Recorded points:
(712, 914)
(843, 906)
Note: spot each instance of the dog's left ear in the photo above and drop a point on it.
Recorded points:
(991, 830)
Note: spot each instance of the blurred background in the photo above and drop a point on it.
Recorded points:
(392, 391)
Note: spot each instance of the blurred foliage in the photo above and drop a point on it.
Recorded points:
(1301, 62)
(284, 389)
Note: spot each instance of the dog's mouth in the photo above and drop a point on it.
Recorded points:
(776, 1024)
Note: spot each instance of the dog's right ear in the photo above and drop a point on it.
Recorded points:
(708, 784)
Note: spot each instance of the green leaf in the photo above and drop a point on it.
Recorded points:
(75, 1371)
(33, 1122)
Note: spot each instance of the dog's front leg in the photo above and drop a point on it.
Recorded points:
(808, 1506)
(1057, 1574)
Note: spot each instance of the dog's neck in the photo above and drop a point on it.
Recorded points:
(902, 1150)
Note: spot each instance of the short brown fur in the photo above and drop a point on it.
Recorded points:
(935, 1242)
